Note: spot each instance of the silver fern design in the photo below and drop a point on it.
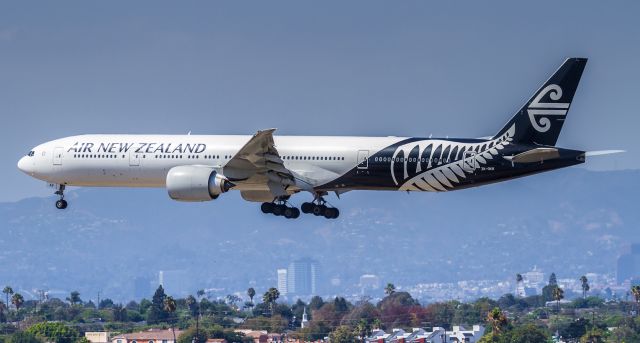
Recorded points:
(440, 165)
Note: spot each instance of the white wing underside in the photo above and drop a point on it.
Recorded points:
(258, 165)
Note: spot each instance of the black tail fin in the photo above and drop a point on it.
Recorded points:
(540, 119)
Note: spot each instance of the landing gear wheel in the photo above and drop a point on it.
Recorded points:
(278, 210)
(307, 207)
(331, 213)
(319, 210)
(267, 207)
(296, 213)
(289, 212)
(61, 204)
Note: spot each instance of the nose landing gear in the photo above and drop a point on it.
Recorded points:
(61, 204)
(319, 208)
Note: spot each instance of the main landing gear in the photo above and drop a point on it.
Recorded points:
(319, 208)
(280, 208)
(61, 204)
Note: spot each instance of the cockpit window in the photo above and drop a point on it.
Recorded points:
(31, 153)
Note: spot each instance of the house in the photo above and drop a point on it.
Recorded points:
(98, 337)
(149, 336)
(459, 334)
(216, 340)
(463, 335)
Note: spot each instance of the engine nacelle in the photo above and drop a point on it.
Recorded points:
(196, 183)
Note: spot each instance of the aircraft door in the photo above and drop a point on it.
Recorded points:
(57, 156)
(363, 159)
(469, 163)
(134, 158)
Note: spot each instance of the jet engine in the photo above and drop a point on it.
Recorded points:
(196, 183)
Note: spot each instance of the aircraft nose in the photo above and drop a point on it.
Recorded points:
(25, 165)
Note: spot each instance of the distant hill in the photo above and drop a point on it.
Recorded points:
(570, 221)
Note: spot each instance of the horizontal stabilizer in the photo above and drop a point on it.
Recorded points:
(534, 155)
(602, 152)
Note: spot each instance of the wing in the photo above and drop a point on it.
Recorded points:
(259, 164)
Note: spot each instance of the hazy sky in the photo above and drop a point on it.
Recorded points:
(404, 68)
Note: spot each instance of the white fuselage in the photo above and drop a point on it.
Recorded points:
(145, 160)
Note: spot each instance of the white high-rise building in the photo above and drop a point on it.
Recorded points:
(302, 277)
(282, 282)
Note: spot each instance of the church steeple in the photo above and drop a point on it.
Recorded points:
(304, 318)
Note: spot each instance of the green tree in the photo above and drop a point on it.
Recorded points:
(74, 298)
(54, 332)
(529, 333)
(270, 297)
(251, 293)
(24, 337)
(593, 336)
(497, 319)
(585, 286)
(343, 334)
(8, 291)
(558, 294)
(635, 290)
(192, 335)
(389, 289)
(553, 280)
(170, 307)
(156, 313)
(17, 300)
(192, 305)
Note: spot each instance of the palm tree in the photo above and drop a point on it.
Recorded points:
(519, 280)
(497, 319)
(170, 307)
(389, 289)
(7, 291)
(558, 294)
(635, 290)
(270, 297)
(74, 298)
(17, 300)
(585, 286)
(251, 293)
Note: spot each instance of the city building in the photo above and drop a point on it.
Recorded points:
(534, 280)
(282, 282)
(302, 277)
(369, 284)
(149, 336)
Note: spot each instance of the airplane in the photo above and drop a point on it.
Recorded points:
(270, 169)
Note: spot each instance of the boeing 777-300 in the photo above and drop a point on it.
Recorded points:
(270, 169)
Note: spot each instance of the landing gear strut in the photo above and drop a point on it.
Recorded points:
(318, 208)
(280, 208)
(61, 204)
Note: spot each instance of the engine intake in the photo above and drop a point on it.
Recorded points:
(196, 183)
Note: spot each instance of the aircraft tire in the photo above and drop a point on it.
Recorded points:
(289, 212)
(296, 213)
(307, 207)
(61, 204)
(266, 207)
(319, 210)
(278, 210)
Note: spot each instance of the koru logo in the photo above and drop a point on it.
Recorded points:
(540, 111)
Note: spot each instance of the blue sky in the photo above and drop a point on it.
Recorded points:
(406, 68)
